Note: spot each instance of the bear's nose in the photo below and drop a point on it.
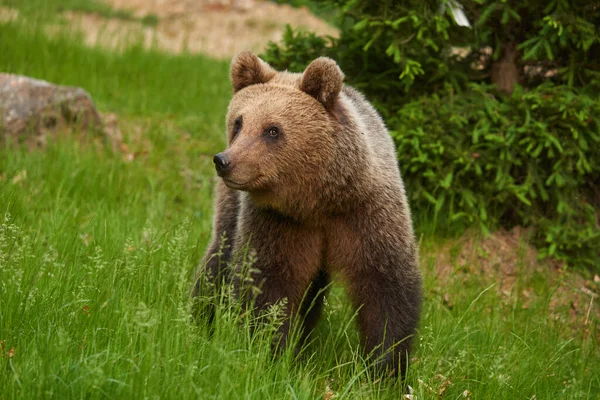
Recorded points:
(221, 163)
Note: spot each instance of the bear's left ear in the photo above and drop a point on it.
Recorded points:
(323, 80)
(247, 69)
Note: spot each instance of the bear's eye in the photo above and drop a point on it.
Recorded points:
(272, 132)
(237, 125)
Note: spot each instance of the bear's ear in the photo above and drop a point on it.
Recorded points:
(323, 80)
(247, 69)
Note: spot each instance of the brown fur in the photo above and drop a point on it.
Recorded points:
(247, 69)
(323, 80)
(323, 197)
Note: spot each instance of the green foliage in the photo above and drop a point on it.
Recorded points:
(557, 35)
(529, 159)
(386, 48)
(497, 124)
(301, 46)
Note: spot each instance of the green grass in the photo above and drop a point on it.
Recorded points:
(97, 255)
(46, 8)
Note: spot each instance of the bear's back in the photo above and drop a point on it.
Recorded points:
(373, 131)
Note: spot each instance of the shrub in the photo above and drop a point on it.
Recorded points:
(530, 159)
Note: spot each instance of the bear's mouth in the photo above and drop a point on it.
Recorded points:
(236, 185)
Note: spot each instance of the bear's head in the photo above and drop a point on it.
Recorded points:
(281, 129)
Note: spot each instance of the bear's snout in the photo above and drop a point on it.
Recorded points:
(221, 164)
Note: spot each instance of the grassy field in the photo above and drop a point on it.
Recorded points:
(52, 8)
(97, 252)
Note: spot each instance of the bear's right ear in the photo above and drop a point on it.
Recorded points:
(247, 69)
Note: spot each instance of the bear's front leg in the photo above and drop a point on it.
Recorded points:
(388, 315)
(288, 257)
(380, 267)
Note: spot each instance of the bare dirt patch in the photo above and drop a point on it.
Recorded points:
(8, 14)
(216, 28)
(508, 260)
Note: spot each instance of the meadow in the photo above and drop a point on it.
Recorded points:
(99, 244)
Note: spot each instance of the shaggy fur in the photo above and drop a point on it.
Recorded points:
(322, 197)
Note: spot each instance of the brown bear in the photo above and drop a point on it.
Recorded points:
(311, 182)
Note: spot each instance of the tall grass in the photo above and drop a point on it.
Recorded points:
(97, 255)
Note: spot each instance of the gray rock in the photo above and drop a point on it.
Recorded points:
(32, 108)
